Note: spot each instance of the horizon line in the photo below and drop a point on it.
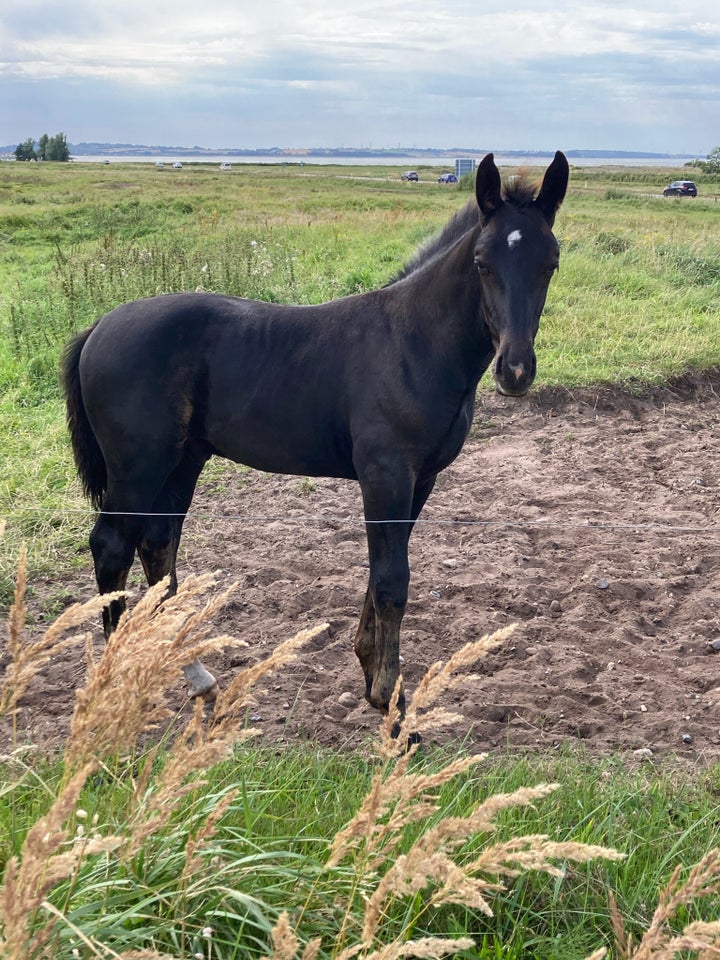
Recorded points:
(94, 146)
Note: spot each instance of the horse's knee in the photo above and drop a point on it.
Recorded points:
(390, 593)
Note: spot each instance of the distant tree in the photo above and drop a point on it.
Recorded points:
(57, 148)
(49, 148)
(26, 150)
(712, 164)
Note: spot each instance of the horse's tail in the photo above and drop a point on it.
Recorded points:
(89, 460)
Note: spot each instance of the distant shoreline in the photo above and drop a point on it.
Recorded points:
(399, 163)
(120, 151)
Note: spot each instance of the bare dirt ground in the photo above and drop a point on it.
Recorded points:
(595, 527)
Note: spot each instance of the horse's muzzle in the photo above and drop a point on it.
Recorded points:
(514, 376)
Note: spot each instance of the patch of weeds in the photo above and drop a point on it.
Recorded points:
(612, 243)
(308, 486)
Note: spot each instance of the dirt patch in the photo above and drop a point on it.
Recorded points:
(592, 520)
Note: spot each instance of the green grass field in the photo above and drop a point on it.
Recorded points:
(236, 842)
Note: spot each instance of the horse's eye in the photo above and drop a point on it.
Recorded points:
(482, 268)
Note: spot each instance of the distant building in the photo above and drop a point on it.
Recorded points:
(463, 166)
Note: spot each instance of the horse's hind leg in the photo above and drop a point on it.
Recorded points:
(112, 543)
(159, 542)
(118, 530)
(161, 530)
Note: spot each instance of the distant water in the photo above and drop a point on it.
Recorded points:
(407, 162)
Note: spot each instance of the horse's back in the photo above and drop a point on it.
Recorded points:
(261, 384)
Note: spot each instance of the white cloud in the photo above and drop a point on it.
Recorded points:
(395, 36)
(390, 70)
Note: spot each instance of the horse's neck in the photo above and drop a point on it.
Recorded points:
(443, 298)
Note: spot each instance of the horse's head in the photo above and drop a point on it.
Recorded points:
(516, 255)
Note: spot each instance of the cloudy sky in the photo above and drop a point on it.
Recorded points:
(495, 74)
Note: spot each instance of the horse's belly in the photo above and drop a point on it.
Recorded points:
(306, 455)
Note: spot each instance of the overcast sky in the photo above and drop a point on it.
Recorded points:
(534, 74)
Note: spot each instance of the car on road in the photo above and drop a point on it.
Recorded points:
(447, 178)
(409, 175)
(177, 165)
(680, 188)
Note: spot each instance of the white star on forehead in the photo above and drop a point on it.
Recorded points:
(513, 238)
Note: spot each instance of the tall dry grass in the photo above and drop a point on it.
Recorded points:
(125, 697)
(398, 845)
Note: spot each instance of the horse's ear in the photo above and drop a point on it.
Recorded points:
(554, 185)
(488, 186)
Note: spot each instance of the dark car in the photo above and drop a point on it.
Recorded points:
(680, 188)
(409, 175)
(447, 178)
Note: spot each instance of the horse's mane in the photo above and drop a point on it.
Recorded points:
(519, 191)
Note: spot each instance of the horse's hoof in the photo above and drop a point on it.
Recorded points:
(413, 739)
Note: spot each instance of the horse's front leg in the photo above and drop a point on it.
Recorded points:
(389, 582)
(388, 494)
(377, 642)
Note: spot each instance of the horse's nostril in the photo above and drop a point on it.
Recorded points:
(513, 376)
